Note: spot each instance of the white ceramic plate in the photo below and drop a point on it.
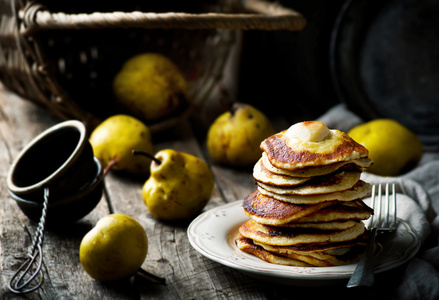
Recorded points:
(213, 234)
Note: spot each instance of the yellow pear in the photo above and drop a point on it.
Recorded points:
(235, 136)
(179, 187)
(114, 140)
(151, 86)
(115, 248)
(393, 148)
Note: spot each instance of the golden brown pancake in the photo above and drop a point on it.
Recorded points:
(310, 144)
(262, 174)
(247, 245)
(352, 210)
(360, 165)
(331, 225)
(338, 248)
(277, 255)
(360, 190)
(332, 183)
(270, 211)
(282, 236)
(267, 210)
(347, 255)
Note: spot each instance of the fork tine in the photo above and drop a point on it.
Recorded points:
(372, 204)
(378, 208)
(387, 208)
(383, 203)
(394, 219)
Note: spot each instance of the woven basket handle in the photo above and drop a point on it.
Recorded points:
(262, 15)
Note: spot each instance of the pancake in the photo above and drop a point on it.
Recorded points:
(282, 236)
(360, 165)
(267, 210)
(360, 190)
(319, 185)
(262, 174)
(347, 255)
(338, 248)
(276, 255)
(331, 225)
(310, 144)
(313, 260)
(352, 210)
(247, 245)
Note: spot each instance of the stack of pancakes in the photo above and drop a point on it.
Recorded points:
(307, 209)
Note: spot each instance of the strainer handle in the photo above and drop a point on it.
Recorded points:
(259, 14)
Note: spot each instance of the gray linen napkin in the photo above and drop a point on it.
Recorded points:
(418, 205)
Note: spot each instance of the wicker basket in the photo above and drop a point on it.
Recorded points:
(64, 59)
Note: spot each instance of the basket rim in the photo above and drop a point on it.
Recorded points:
(253, 15)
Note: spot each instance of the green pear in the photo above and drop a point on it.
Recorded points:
(114, 140)
(401, 151)
(235, 136)
(151, 86)
(115, 248)
(179, 187)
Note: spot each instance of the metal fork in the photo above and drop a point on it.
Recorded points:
(383, 220)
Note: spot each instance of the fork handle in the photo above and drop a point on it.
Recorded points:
(364, 272)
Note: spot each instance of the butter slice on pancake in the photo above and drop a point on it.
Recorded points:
(360, 190)
(319, 185)
(360, 165)
(282, 236)
(308, 144)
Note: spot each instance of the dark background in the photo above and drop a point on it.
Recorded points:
(285, 70)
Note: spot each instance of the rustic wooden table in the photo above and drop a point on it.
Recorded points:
(188, 274)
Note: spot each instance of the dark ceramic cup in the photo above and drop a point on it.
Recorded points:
(68, 209)
(60, 158)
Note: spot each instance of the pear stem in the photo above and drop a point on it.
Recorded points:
(150, 156)
(110, 165)
(226, 100)
(150, 276)
(234, 108)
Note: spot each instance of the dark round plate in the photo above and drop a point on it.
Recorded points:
(384, 60)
